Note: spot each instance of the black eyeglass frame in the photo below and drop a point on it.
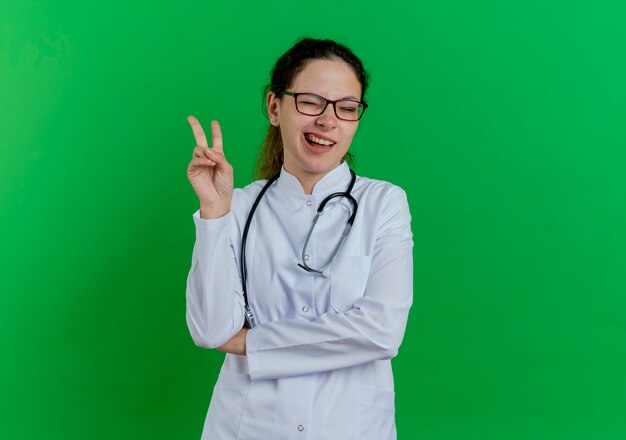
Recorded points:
(327, 101)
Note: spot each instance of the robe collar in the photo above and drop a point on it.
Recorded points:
(336, 180)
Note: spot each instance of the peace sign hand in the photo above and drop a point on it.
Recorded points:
(209, 173)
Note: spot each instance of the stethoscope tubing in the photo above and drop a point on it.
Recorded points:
(250, 319)
(242, 259)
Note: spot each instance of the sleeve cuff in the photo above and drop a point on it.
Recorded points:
(212, 224)
(252, 354)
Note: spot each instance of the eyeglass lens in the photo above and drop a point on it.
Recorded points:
(314, 105)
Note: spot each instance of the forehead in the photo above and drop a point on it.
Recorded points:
(333, 79)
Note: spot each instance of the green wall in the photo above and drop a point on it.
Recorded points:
(504, 122)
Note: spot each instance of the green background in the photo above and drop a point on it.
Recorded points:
(503, 121)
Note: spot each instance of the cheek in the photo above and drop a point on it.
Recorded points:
(292, 135)
(349, 135)
(292, 125)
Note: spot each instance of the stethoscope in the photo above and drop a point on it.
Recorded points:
(250, 320)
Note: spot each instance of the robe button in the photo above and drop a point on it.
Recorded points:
(308, 203)
(305, 309)
(300, 428)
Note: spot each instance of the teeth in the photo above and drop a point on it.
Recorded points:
(318, 140)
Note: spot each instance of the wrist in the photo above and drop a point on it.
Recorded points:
(212, 211)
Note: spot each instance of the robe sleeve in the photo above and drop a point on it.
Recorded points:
(215, 305)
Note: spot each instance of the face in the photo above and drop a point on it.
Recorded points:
(315, 145)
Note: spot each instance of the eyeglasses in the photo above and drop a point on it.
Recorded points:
(314, 105)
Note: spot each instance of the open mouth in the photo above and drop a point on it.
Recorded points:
(316, 141)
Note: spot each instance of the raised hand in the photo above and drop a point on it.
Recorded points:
(209, 172)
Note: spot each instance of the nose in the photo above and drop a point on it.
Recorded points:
(328, 118)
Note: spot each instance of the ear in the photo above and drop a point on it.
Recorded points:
(272, 108)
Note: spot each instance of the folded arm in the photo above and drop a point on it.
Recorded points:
(373, 329)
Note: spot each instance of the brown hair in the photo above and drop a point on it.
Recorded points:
(270, 159)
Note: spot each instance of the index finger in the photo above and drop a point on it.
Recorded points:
(216, 136)
(198, 132)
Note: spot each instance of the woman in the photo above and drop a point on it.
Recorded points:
(328, 315)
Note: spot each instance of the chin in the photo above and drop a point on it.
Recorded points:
(320, 167)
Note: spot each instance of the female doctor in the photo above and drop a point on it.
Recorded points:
(309, 342)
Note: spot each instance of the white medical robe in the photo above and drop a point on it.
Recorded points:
(318, 363)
